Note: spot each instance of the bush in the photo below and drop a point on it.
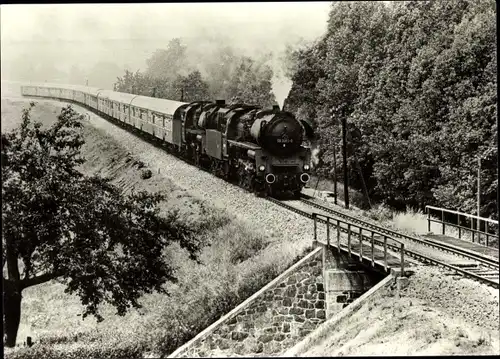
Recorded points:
(94, 351)
(146, 174)
(381, 213)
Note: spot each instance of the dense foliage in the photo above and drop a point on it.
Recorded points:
(416, 81)
(60, 224)
(171, 74)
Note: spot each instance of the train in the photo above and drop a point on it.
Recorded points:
(266, 151)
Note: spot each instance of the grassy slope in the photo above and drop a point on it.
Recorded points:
(233, 266)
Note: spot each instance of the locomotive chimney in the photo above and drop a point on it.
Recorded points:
(276, 107)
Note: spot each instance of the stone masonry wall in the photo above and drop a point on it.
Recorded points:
(287, 309)
(276, 320)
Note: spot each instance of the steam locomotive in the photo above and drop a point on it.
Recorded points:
(263, 150)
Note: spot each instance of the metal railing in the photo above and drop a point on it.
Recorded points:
(488, 224)
(363, 234)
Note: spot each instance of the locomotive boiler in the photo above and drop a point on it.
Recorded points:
(265, 150)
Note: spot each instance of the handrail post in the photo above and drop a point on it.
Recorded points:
(328, 231)
(360, 244)
(402, 259)
(459, 228)
(487, 234)
(349, 238)
(428, 219)
(442, 219)
(315, 227)
(338, 234)
(385, 253)
(478, 229)
(472, 228)
(373, 250)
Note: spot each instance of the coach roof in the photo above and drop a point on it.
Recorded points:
(157, 104)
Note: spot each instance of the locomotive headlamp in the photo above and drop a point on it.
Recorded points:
(262, 168)
(306, 167)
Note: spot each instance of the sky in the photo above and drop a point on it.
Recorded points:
(127, 34)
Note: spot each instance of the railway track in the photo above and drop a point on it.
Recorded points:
(485, 270)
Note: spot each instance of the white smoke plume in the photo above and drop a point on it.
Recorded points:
(315, 149)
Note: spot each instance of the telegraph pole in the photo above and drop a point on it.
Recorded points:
(478, 190)
(334, 161)
(344, 153)
(335, 171)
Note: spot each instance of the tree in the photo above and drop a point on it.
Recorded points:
(167, 63)
(251, 81)
(417, 83)
(59, 224)
(192, 86)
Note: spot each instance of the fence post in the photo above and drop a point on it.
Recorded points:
(373, 250)
(328, 231)
(385, 253)
(349, 238)
(402, 259)
(315, 227)
(442, 219)
(361, 244)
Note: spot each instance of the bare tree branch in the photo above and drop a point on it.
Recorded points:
(25, 283)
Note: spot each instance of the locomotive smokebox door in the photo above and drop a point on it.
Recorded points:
(214, 144)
